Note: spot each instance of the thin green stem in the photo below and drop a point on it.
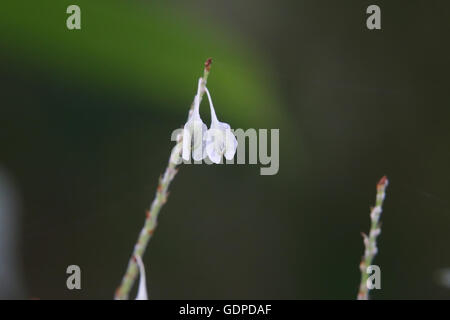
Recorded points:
(370, 242)
(160, 199)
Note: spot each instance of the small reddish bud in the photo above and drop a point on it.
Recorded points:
(383, 182)
(208, 64)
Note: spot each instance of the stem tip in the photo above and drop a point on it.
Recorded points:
(208, 64)
(383, 182)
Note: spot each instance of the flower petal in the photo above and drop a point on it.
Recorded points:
(213, 155)
(142, 291)
(215, 144)
(186, 143)
(199, 136)
(230, 144)
(211, 107)
(194, 139)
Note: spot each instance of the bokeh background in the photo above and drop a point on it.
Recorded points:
(85, 124)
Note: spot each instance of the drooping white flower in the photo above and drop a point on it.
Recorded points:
(220, 141)
(142, 290)
(194, 131)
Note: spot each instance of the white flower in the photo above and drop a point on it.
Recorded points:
(142, 291)
(195, 130)
(219, 138)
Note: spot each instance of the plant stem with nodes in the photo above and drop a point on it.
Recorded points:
(160, 199)
(370, 242)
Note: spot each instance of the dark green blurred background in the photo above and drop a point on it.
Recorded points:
(86, 118)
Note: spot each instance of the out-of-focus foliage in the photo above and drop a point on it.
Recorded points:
(141, 49)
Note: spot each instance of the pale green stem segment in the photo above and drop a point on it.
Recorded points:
(370, 242)
(160, 199)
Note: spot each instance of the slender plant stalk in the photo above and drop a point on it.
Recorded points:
(370, 242)
(160, 199)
